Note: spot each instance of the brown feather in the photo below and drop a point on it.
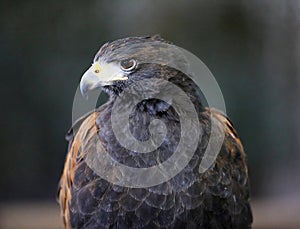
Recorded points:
(87, 129)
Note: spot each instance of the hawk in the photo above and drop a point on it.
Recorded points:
(215, 198)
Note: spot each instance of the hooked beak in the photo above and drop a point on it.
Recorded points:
(100, 75)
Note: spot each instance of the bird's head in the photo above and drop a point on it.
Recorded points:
(122, 62)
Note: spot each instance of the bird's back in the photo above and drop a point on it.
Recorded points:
(217, 198)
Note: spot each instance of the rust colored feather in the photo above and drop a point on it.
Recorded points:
(232, 139)
(87, 129)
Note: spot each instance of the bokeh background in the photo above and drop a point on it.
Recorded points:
(251, 47)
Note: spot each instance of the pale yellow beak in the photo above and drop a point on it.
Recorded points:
(100, 75)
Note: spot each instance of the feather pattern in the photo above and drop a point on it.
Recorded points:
(218, 198)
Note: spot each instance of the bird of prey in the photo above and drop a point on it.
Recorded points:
(215, 198)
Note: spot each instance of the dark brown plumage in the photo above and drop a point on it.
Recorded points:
(217, 198)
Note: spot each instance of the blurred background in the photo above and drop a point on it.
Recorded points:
(251, 47)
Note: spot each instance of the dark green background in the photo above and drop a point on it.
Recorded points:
(251, 47)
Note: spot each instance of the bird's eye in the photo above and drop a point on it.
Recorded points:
(128, 65)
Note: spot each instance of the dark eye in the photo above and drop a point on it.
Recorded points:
(128, 64)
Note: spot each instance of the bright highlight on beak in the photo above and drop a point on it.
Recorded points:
(100, 75)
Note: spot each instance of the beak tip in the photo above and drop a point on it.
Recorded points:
(85, 96)
(83, 90)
